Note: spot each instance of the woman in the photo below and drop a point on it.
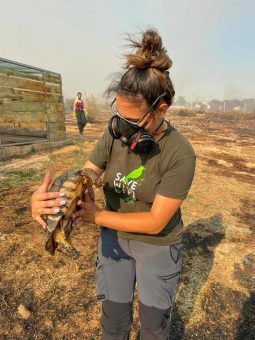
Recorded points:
(148, 169)
(78, 108)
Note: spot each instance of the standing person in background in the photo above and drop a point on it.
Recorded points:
(78, 108)
(148, 169)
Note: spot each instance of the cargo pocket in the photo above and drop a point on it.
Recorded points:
(165, 289)
(175, 251)
(101, 286)
(166, 281)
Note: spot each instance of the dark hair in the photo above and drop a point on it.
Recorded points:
(146, 76)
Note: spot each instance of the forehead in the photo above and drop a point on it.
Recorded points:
(130, 105)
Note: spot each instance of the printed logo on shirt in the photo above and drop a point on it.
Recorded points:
(128, 184)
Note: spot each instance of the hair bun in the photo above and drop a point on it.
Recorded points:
(151, 42)
(149, 53)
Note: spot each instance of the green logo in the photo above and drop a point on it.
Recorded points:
(134, 174)
(128, 184)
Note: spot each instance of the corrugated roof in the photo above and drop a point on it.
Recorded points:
(23, 67)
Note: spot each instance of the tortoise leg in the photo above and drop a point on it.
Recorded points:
(61, 237)
(50, 244)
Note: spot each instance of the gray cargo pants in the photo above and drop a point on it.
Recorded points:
(122, 263)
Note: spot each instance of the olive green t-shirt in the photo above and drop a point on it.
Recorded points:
(132, 181)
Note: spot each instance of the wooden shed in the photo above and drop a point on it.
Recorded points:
(31, 106)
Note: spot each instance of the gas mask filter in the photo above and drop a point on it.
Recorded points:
(135, 137)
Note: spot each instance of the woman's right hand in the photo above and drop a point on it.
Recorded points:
(44, 202)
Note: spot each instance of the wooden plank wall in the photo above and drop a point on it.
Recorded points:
(31, 99)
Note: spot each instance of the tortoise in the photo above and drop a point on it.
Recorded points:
(73, 184)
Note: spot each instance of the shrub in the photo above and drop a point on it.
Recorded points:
(184, 113)
(92, 108)
(68, 104)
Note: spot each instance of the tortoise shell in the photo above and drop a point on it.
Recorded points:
(73, 184)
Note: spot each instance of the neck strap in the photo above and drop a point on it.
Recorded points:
(156, 132)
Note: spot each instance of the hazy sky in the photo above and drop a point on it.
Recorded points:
(211, 42)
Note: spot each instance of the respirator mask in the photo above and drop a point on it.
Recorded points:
(130, 133)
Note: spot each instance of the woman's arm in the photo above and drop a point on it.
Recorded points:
(151, 222)
(74, 104)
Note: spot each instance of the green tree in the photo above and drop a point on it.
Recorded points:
(181, 101)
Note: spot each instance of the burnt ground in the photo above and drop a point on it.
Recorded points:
(216, 296)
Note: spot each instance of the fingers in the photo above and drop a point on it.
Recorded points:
(86, 196)
(82, 204)
(77, 214)
(46, 211)
(81, 214)
(51, 203)
(45, 208)
(46, 183)
(49, 211)
(39, 207)
(41, 222)
(46, 196)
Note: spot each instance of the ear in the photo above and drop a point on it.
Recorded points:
(162, 109)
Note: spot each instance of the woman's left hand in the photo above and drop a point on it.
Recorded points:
(88, 210)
